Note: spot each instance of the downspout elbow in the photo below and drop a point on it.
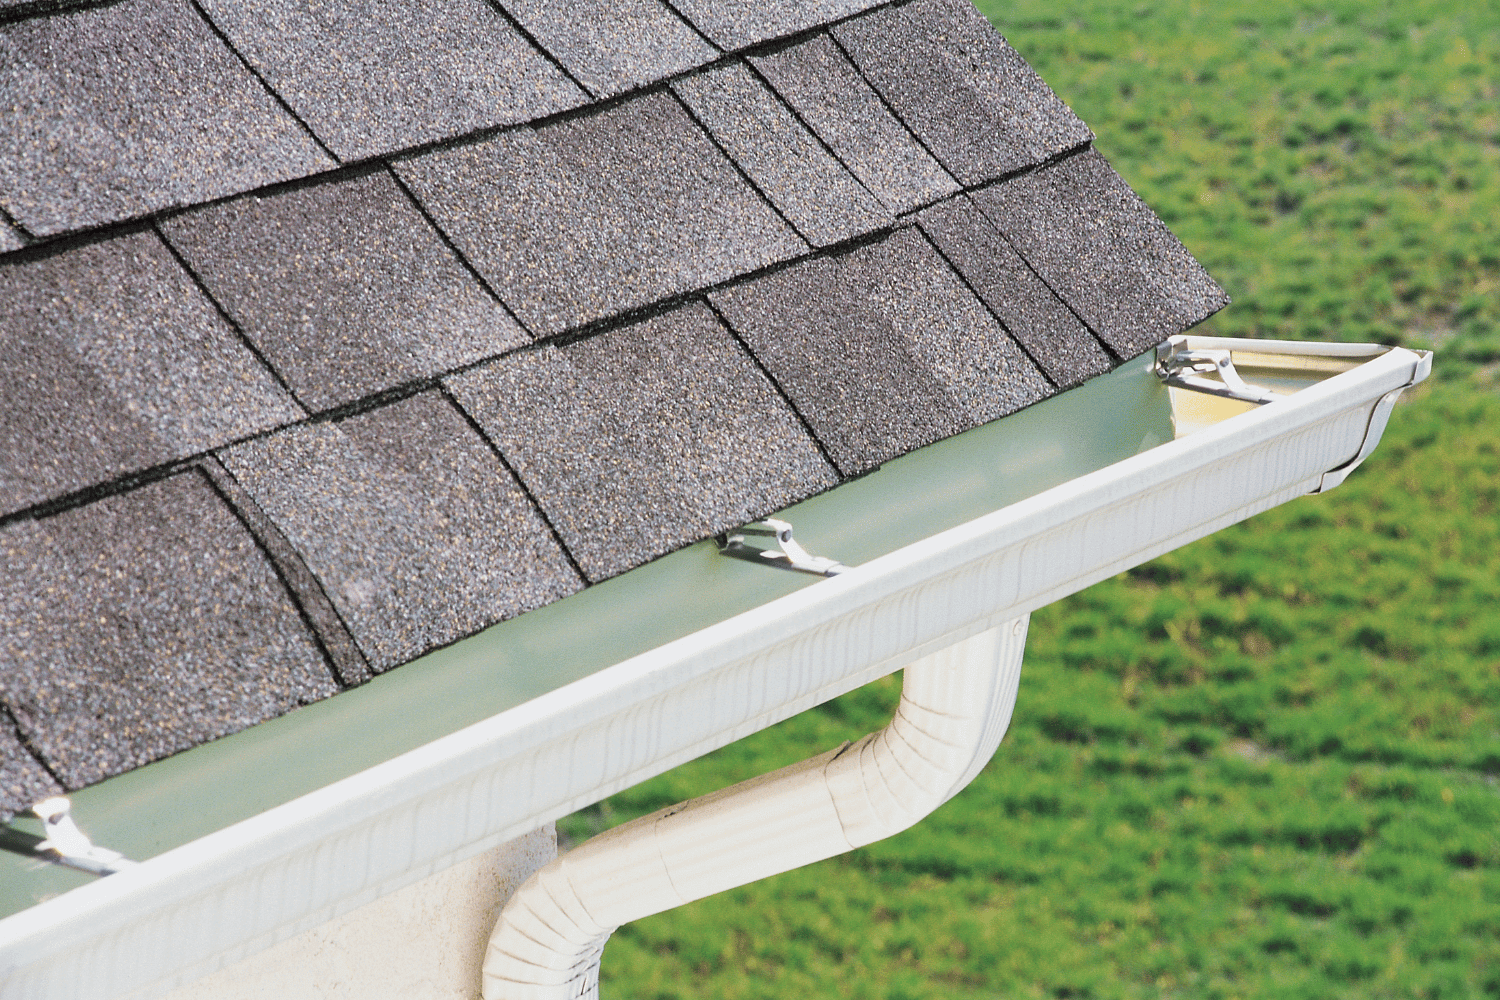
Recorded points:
(955, 707)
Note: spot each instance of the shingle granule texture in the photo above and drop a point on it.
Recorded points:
(645, 438)
(882, 349)
(371, 78)
(615, 47)
(415, 529)
(593, 215)
(143, 624)
(961, 88)
(1061, 345)
(825, 89)
(734, 24)
(116, 111)
(23, 781)
(112, 360)
(10, 237)
(1104, 251)
(349, 664)
(803, 180)
(344, 287)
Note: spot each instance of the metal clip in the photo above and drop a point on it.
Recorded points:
(67, 845)
(1185, 369)
(787, 554)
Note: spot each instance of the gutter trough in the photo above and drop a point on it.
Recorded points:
(221, 897)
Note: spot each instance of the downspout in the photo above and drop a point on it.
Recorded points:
(955, 706)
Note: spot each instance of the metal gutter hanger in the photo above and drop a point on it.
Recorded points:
(788, 554)
(1185, 368)
(65, 844)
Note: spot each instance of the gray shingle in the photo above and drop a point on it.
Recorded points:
(115, 111)
(10, 237)
(789, 165)
(372, 78)
(143, 624)
(961, 88)
(819, 81)
(416, 531)
(589, 216)
(345, 288)
(882, 349)
(646, 437)
(1051, 334)
(112, 360)
(1104, 251)
(734, 24)
(23, 782)
(615, 47)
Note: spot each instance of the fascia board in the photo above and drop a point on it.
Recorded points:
(210, 902)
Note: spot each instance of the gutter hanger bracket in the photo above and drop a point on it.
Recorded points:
(1178, 366)
(754, 543)
(67, 845)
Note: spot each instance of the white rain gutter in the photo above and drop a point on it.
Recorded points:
(198, 907)
(955, 707)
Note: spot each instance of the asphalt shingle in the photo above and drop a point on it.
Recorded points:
(1104, 251)
(818, 80)
(375, 78)
(810, 188)
(118, 110)
(645, 438)
(1061, 345)
(589, 216)
(415, 529)
(10, 237)
(612, 48)
(882, 349)
(23, 782)
(112, 360)
(344, 287)
(961, 88)
(143, 624)
(734, 24)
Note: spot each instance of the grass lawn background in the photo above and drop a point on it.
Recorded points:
(1267, 764)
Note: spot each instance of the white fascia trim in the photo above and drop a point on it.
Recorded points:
(198, 907)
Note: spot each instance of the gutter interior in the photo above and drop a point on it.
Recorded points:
(163, 805)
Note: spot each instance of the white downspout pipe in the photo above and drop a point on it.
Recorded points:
(955, 706)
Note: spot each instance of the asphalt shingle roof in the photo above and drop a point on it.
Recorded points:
(649, 436)
(344, 286)
(418, 533)
(1043, 324)
(1104, 251)
(112, 360)
(143, 624)
(882, 349)
(817, 79)
(961, 88)
(616, 47)
(600, 285)
(119, 110)
(369, 78)
(737, 24)
(785, 161)
(594, 215)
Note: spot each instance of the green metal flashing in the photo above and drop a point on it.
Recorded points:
(173, 801)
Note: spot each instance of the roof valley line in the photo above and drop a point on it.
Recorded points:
(469, 353)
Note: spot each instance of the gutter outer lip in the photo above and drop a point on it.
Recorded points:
(215, 900)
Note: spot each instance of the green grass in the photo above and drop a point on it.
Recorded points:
(1267, 764)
